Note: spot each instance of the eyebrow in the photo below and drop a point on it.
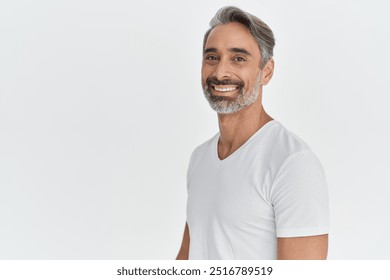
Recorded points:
(209, 50)
(233, 50)
(240, 50)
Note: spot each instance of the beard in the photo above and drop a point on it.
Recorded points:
(231, 104)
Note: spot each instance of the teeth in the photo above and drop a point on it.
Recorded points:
(225, 89)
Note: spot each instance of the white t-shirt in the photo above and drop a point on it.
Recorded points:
(272, 186)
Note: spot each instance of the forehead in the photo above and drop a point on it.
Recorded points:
(232, 35)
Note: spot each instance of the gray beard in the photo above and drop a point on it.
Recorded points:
(229, 105)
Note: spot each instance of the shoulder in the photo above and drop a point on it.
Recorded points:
(203, 150)
(276, 145)
(289, 149)
(296, 167)
(205, 146)
(289, 161)
(284, 141)
(292, 149)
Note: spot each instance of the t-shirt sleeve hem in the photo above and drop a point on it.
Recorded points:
(301, 232)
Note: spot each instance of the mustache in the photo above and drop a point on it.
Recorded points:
(214, 80)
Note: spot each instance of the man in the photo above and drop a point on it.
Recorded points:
(255, 190)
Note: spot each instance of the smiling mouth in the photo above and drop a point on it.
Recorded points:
(224, 88)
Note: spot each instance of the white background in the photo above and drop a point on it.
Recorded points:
(101, 107)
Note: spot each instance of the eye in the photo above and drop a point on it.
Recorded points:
(211, 57)
(239, 59)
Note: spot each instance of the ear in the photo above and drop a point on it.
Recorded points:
(268, 71)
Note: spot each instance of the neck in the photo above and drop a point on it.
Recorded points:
(236, 128)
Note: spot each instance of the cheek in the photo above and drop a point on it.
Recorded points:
(203, 79)
(249, 85)
(203, 84)
(204, 75)
(251, 80)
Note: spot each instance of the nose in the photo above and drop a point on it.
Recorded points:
(222, 70)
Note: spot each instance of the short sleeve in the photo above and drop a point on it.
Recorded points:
(299, 196)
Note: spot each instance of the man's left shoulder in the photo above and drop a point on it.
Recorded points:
(284, 142)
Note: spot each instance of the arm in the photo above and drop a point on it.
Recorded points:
(185, 245)
(303, 248)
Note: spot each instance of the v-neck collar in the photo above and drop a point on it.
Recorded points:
(238, 151)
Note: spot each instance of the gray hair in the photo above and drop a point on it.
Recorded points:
(262, 34)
